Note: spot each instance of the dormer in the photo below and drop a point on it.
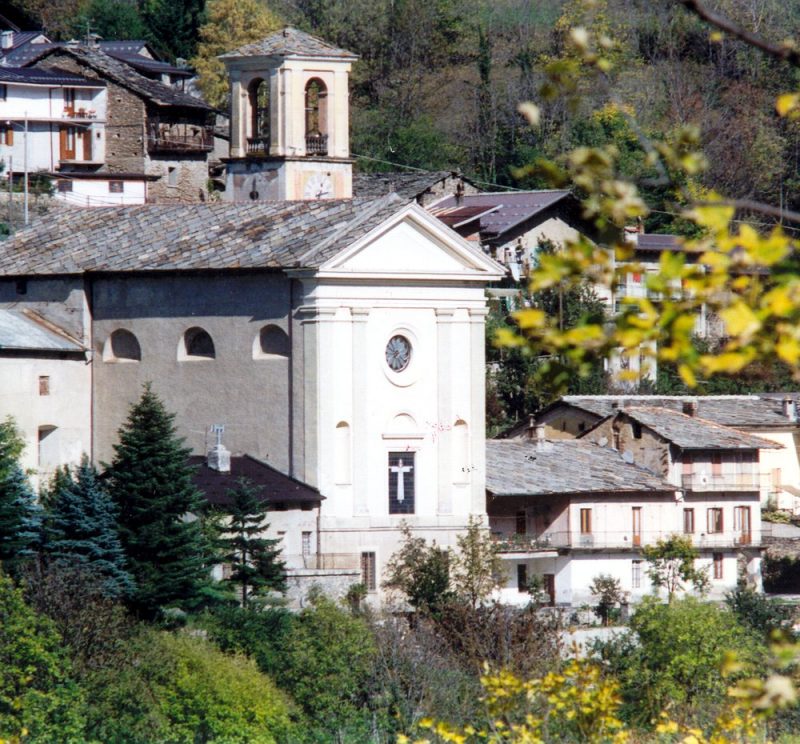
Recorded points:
(289, 98)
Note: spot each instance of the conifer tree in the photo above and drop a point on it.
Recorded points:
(20, 520)
(83, 532)
(255, 560)
(151, 483)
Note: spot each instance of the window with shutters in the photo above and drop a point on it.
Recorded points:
(688, 521)
(718, 565)
(586, 521)
(715, 520)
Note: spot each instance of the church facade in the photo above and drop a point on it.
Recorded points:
(338, 341)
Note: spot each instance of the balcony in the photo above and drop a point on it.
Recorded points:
(513, 547)
(179, 137)
(705, 481)
(80, 114)
(258, 145)
(316, 144)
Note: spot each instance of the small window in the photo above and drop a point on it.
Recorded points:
(586, 521)
(716, 463)
(198, 344)
(368, 577)
(172, 176)
(116, 187)
(64, 186)
(44, 385)
(637, 429)
(636, 574)
(122, 346)
(714, 520)
(401, 482)
(522, 578)
(718, 565)
(306, 543)
(688, 521)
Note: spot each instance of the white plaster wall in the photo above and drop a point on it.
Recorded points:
(96, 193)
(785, 460)
(67, 407)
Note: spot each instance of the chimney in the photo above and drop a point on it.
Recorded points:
(531, 427)
(690, 407)
(6, 40)
(540, 440)
(219, 457)
(790, 409)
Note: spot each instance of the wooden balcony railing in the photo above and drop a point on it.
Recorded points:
(316, 144)
(179, 137)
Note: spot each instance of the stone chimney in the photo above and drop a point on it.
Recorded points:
(540, 440)
(6, 40)
(690, 407)
(219, 457)
(790, 409)
(531, 427)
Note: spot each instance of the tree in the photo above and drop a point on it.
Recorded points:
(151, 484)
(420, 571)
(228, 25)
(82, 531)
(111, 19)
(20, 520)
(173, 25)
(671, 563)
(255, 560)
(36, 694)
(609, 594)
(476, 567)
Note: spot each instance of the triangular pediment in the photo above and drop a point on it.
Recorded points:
(413, 243)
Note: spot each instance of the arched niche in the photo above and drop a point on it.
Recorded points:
(196, 344)
(122, 346)
(271, 343)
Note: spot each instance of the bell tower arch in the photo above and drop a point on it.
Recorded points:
(290, 120)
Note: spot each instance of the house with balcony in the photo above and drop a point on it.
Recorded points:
(158, 138)
(586, 505)
(49, 120)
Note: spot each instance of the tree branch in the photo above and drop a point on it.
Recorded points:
(786, 52)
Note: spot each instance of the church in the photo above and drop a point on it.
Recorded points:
(330, 346)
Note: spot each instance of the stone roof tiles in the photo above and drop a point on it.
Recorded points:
(571, 466)
(408, 186)
(289, 42)
(32, 76)
(215, 236)
(692, 432)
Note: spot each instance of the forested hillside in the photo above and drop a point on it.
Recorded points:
(439, 80)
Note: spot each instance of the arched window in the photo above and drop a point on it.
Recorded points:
(342, 453)
(258, 92)
(271, 342)
(197, 344)
(316, 117)
(122, 346)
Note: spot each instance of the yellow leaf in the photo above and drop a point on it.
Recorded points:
(714, 217)
(687, 375)
(788, 349)
(787, 102)
(740, 320)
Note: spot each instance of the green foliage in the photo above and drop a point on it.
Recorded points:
(326, 665)
(151, 484)
(419, 571)
(20, 520)
(82, 531)
(181, 689)
(476, 568)
(609, 594)
(36, 693)
(255, 561)
(781, 575)
(111, 19)
(674, 658)
(671, 565)
(757, 612)
(173, 25)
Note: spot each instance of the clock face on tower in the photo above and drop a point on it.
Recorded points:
(398, 353)
(318, 186)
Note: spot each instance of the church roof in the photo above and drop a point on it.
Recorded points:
(408, 186)
(215, 236)
(289, 42)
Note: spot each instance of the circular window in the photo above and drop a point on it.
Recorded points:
(398, 353)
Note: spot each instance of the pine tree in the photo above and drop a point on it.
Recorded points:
(83, 532)
(255, 560)
(151, 483)
(20, 520)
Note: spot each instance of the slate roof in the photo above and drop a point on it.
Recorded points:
(274, 486)
(32, 76)
(289, 42)
(748, 411)
(408, 185)
(217, 236)
(146, 65)
(567, 466)
(153, 90)
(691, 432)
(659, 243)
(20, 330)
(23, 55)
(512, 208)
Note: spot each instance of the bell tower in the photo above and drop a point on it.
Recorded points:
(290, 120)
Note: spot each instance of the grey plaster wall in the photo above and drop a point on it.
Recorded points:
(249, 396)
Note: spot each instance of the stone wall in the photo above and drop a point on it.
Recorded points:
(332, 582)
(181, 179)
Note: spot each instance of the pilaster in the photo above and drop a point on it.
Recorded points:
(360, 316)
(444, 422)
(477, 366)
